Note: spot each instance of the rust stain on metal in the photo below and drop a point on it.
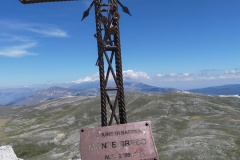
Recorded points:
(131, 141)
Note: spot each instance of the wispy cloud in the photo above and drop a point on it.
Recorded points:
(13, 45)
(42, 29)
(49, 32)
(18, 50)
(13, 38)
(16, 46)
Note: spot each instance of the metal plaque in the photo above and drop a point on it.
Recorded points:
(131, 141)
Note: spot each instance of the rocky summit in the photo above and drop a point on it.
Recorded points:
(185, 125)
(7, 153)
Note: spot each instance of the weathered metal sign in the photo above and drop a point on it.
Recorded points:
(131, 141)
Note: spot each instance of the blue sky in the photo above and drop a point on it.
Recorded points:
(167, 43)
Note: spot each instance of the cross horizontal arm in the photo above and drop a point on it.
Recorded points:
(41, 1)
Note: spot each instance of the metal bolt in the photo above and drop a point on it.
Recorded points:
(116, 16)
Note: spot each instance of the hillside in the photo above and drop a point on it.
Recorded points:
(185, 126)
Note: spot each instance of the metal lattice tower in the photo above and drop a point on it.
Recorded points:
(109, 53)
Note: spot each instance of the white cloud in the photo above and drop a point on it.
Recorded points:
(91, 78)
(18, 50)
(174, 77)
(130, 74)
(160, 75)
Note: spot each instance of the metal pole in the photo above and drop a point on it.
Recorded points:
(118, 61)
(101, 63)
(108, 39)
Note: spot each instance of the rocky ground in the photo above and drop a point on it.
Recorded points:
(185, 126)
(7, 153)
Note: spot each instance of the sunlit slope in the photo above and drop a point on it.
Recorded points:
(185, 126)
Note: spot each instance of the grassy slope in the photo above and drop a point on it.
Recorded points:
(185, 126)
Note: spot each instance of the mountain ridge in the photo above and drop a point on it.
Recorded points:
(229, 89)
(83, 89)
(31, 96)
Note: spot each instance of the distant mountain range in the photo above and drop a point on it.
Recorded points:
(31, 96)
(50, 94)
(232, 89)
(13, 94)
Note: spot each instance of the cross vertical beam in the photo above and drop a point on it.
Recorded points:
(101, 64)
(108, 39)
(118, 61)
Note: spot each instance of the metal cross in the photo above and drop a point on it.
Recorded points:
(109, 52)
